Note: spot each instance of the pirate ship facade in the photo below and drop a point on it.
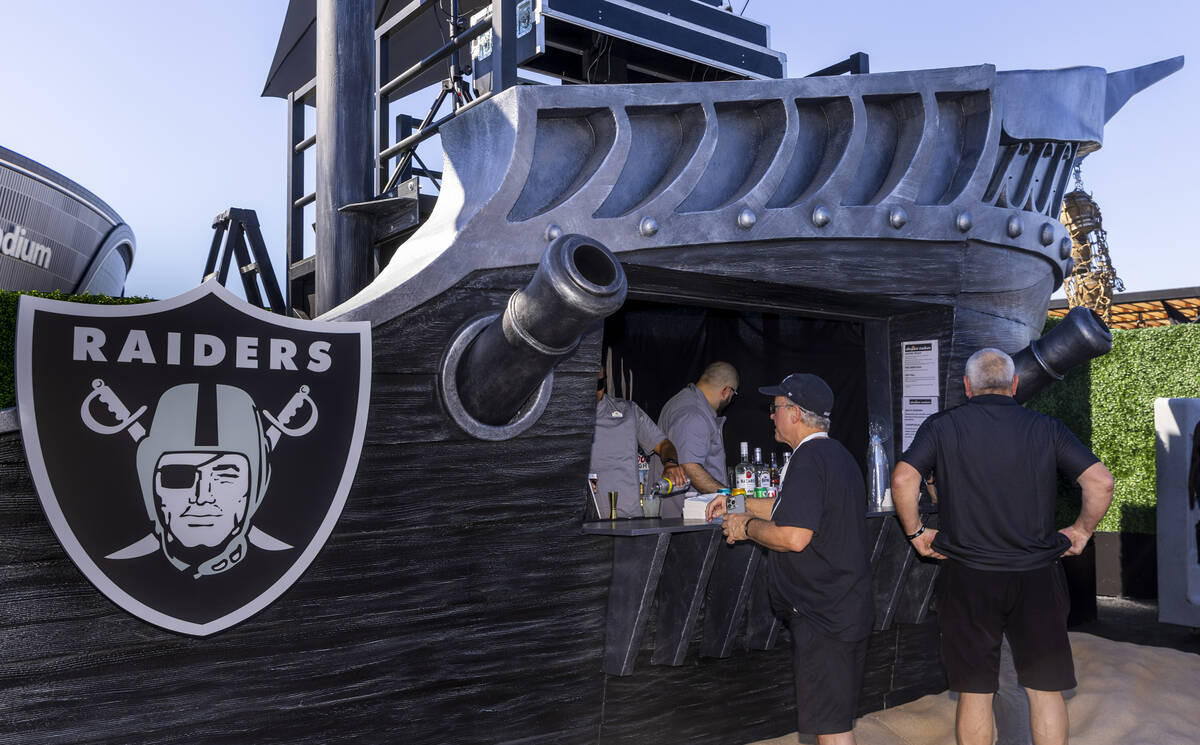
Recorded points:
(816, 222)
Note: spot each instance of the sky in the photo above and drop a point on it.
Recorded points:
(154, 106)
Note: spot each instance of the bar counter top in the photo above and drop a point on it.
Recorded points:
(647, 526)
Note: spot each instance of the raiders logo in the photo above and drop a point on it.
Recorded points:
(192, 455)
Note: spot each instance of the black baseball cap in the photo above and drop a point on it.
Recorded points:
(806, 390)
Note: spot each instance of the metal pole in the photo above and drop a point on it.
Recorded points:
(345, 152)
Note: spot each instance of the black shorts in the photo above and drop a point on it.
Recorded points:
(829, 674)
(976, 608)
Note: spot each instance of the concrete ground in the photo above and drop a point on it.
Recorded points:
(1138, 681)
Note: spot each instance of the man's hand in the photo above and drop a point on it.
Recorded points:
(924, 544)
(733, 525)
(700, 479)
(1078, 537)
(715, 509)
(675, 473)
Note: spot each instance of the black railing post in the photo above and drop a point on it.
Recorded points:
(294, 240)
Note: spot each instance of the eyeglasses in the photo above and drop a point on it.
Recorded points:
(776, 407)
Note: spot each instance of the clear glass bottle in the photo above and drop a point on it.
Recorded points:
(744, 477)
(762, 474)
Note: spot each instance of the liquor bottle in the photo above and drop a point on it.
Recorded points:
(774, 471)
(664, 487)
(744, 471)
(643, 468)
(762, 474)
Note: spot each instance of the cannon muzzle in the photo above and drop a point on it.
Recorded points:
(1081, 336)
(577, 284)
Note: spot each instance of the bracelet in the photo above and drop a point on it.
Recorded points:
(914, 535)
(747, 528)
(672, 461)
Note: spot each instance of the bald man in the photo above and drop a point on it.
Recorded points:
(1000, 572)
(692, 420)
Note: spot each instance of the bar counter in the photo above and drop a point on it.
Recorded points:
(679, 562)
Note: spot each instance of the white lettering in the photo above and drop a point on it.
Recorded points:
(88, 341)
(318, 356)
(137, 347)
(247, 352)
(207, 351)
(282, 352)
(90, 344)
(14, 243)
(173, 342)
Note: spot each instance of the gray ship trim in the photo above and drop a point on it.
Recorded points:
(448, 380)
(921, 158)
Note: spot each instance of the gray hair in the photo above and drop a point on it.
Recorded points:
(812, 419)
(990, 370)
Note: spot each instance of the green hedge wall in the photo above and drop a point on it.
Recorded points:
(8, 331)
(1109, 404)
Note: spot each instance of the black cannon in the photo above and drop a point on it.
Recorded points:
(578, 283)
(1082, 335)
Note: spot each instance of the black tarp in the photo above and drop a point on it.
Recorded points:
(667, 346)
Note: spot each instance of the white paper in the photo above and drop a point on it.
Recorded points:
(920, 367)
(914, 411)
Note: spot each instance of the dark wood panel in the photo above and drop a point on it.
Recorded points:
(414, 342)
(456, 601)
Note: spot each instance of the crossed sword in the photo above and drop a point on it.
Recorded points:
(127, 422)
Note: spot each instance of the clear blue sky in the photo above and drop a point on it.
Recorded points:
(154, 105)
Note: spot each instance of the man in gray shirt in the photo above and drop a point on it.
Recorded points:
(691, 419)
(621, 427)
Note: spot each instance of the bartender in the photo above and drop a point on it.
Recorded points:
(621, 427)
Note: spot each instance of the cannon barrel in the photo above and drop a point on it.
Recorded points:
(578, 283)
(1079, 337)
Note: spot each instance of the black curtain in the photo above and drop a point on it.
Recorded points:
(665, 347)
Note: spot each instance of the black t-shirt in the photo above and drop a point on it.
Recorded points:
(995, 464)
(829, 582)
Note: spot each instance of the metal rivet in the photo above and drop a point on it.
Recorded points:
(1014, 226)
(648, 227)
(1047, 234)
(553, 232)
(897, 218)
(746, 219)
(821, 217)
(963, 221)
(1064, 248)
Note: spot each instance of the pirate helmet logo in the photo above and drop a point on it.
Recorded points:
(204, 468)
(200, 506)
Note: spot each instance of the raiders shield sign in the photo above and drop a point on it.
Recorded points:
(192, 455)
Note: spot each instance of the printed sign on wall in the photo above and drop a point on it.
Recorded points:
(192, 455)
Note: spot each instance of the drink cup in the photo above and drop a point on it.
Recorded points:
(651, 504)
(612, 505)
